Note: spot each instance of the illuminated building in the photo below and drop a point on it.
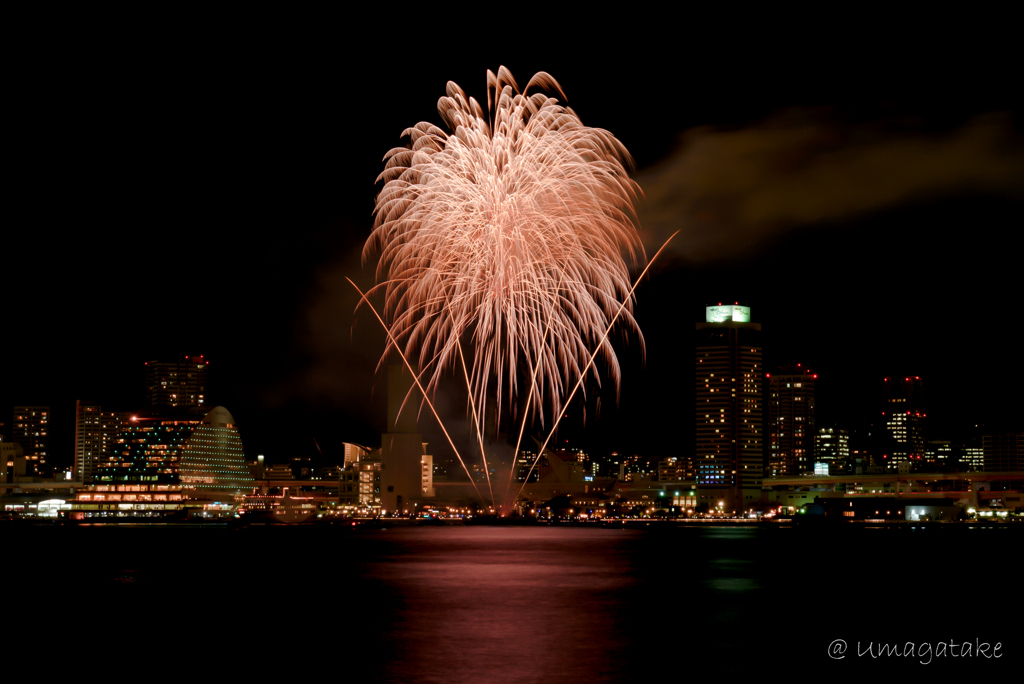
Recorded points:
(938, 454)
(1003, 453)
(729, 458)
(903, 413)
(791, 429)
(30, 429)
(972, 458)
(212, 459)
(178, 385)
(359, 483)
(525, 466)
(95, 434)
(203, 456)
(675, 469)
(354, 452)
(128, 499)
(832, 445)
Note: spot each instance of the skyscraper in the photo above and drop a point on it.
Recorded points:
(729, 455)
(95, 434)
(791, 428)
(402, 450)
(31, 430)
(179, 386)
(903, 414)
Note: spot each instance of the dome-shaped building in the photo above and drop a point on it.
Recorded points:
(212, 458)
(204, 455)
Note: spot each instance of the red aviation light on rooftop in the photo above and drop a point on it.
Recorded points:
(815, 376)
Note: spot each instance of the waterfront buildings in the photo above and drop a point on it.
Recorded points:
(203, 456)
(791, 428)
(729, 457)
(391, 478)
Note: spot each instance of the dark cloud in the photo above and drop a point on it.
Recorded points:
(730, 190)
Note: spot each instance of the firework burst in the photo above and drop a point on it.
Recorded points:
(509, 233)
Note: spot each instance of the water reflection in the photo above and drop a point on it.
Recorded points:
(503, 604)
(552, 605)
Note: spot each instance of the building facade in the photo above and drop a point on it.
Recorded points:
(729, 455)
(904, 416)
(791, 429)
(178, 385)
(202, 456)
(96, 432)
(31, 429)
(832, 445)
(1003, 453)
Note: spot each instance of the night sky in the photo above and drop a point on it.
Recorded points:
(207, 190)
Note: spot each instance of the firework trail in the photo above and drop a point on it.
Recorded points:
(510, 234)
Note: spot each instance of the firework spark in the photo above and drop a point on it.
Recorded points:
(511, 234)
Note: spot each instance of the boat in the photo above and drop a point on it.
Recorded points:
(277, 509)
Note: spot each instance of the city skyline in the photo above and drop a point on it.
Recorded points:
(876, 227)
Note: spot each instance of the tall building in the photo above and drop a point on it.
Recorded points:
(729, 457)
(31, 429)
(179, 386)
(791, 429)
(96, 432)
(903, 413)
(402, 450)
